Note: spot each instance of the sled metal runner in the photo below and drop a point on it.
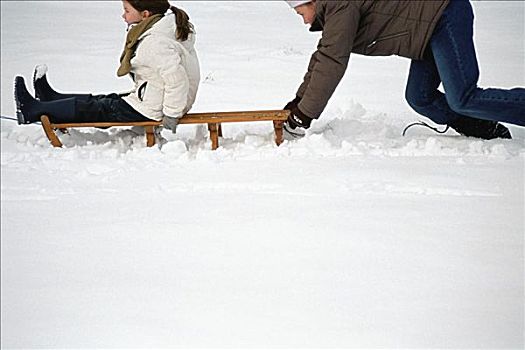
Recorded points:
(214, 121)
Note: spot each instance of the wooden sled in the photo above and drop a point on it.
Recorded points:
(214, 121)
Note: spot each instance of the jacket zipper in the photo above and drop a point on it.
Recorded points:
(388, 37)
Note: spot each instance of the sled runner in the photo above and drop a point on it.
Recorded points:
(214, 121)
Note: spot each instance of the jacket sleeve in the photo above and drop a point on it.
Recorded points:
(167, 59)
(328, 64)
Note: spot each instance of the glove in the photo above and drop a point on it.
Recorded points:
(298, 119)
(170, 123)
(297, 123)
(293, 103)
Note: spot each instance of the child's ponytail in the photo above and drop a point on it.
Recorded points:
(184, 26)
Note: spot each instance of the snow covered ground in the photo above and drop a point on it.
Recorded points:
(351, 237)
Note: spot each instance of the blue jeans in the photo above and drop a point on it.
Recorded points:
(451, 59)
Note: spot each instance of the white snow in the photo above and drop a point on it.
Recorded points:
(353, 237)
(40, 71)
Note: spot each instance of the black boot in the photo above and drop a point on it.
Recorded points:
(24, 102)
(44, 92)
(483, 129)
(29, 110)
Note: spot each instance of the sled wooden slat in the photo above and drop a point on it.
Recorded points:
(102, 124)
(50, 132)
(214, 121)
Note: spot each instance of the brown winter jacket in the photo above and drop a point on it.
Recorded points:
(367, 27)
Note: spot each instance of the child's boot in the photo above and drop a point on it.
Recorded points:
(44, 92)
(29, 110)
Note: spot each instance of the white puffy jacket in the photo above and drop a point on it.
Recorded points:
(166, 72)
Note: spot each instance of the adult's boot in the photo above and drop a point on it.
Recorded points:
(483, 129)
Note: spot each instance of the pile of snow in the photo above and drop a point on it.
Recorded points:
(353, 236)
(40, 71)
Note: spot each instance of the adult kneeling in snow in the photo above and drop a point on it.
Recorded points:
(436, 35)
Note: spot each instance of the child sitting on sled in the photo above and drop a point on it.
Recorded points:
(159, 56)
